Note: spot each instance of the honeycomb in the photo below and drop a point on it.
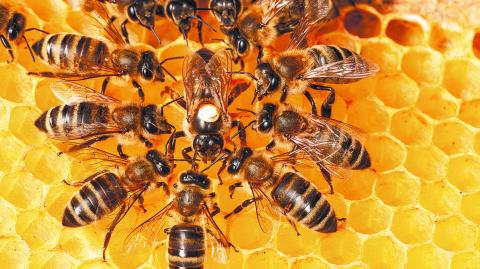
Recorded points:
(417, 208)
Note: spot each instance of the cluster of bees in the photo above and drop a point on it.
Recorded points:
(89, 116)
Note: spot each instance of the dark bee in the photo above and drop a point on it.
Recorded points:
(286, 191)
(90, 115)
(293, 71)
(84, 57)
(193, 210)
(227, 11)
(105, 192)
(335, 147)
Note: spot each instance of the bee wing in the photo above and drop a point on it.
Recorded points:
(70, 92)
(219, 68)
(92, 156)
(105, 27)
(272, 7)
(353, 67)
(193, 73)
(215, 238)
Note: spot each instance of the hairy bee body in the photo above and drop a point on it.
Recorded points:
(186, 246)
(12, 23)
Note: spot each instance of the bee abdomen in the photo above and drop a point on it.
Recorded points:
(324, 55)
(186, 247)
(355, 155)
(71, 52)
(302, 202)
(96, 198)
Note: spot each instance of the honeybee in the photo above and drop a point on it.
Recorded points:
(90, 115)
(293, 71)
(105, 192)
(334, 146)
(84, 57)
(193, 209)
(287, 192)
(227, 11)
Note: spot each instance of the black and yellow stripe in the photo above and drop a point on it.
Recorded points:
(186, 247)
(98, 197)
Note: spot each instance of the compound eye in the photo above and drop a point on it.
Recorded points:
(273, 83)
(242, 46)
(147, 73)
(132, 12)
(265, 126)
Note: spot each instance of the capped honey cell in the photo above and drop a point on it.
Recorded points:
(412, 225)
(383, 252)
(397, 90)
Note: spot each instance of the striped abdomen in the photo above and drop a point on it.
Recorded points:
(302, 202)
(328, 54)
(98, 197)
(186, 247)
(72, 52)
(74, 121)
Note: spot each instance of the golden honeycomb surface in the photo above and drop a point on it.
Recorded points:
(418, 207)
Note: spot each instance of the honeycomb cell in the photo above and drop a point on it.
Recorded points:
(425, 66)
(233, 260)
(310, 263)
(384, 54)
(450, 41)
(440, 198)
(12, 152)
(118, 247)
(369, 216)
(45, 9)
(397, 90)
(452, 137)
(82, 244)
(385, 153)
(292, 245)
(159, 255)
(342, 247)
(5, 111)
(359, 186)
(375, 121)
(52, 260)
(246, 223)
(426, 257)
(469, 112)
(45, 164)
(14, 253)
(464, 173)
(412, 225)
(358, 90)
(22, 190)
(266, 259)
(453, 234)
(382, 252)
(97, 265)
(426, 162)
(470, 207)
(476, 45)
(362, 23)
(437, 103)
(57, 199)
(17, 85)
(466, 260)
(38, 229)
(405, 32)
(8, 220)
(21, 119)
(461, 78)
(411, 127)
(397, 188)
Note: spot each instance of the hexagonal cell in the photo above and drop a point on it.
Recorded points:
(45, 164)
(17, 85)
(362, 23)
(423, 65)
(360, 185)
(453, 234)
(412, 225)
(470, 207)
(440, 198)
(9, 219)
(397, 90)
(22, 190)
(361, 89)
(247, 222)
(14, 253)
(12, 152)
(266, 259)
(21, 119)
(310, 263)
(404, 32)
(342, 247)
(368, 115)
(303, 244)
(461, 78)
(82, 244)
(382, 252)
(464, 173)
(52, 259)
(98, 265)
(476, 45)
(397, 188)
(466, 260)
(469, 112)
(450, 41)
(411, 127)
(426, 162)
(426, 257)
(437, 103)
(38, 229)
(137, 256)
(369, 216)
(452, 137)
(385, 153)
(382, 53)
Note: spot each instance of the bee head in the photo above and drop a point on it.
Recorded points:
(208, 146)
(268, 81)
(162, 166)
(153, 121)
(181, 13)
(149, 69)
(237, 160)
(226, 11)
(265, 117)
(16, 27)
(195, 178)
(143, 12)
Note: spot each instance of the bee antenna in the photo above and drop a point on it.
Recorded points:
(168, 73)
(155, 34)
(29, 48)
(171, 58)
(221, 158)
(204, 22)
(252, 76)
(247, 110)
(243, 129)
(36, 29)
(184, 36)
(254, 97)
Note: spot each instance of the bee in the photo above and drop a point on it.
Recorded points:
(193, 209)
(90, 115)
(293, 71)
(84, 57)
(227, 11)
(287, 192)
(105, 192)
(335, 147)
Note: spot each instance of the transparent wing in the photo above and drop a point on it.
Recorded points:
(193, 73)
(215, 238)
(83, 131)
(98, 12)
(265, 208)
(353, 67)
(272, 7)
(219, 69)
(70, 92)
(93, 156)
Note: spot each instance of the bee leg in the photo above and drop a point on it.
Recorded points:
(120, 152)
(145, 141)
(224, 165)
(6, 44)
(199, 28)
(186, 156)
(124, 30)
(139, 90)
(260, 54)
(270, 145)
(140, 203)
(104, 85)
(311, 101)
(283, 98)
(163, 185)
(88, 143)
(172, 142)
(292, 223)
(236, 91)
(231, 188)
(328, 178)
(175, 95)
(327, 104)
(215, 210)
(241, 132)
(166, 230)
(123, 211)
(240, 207)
